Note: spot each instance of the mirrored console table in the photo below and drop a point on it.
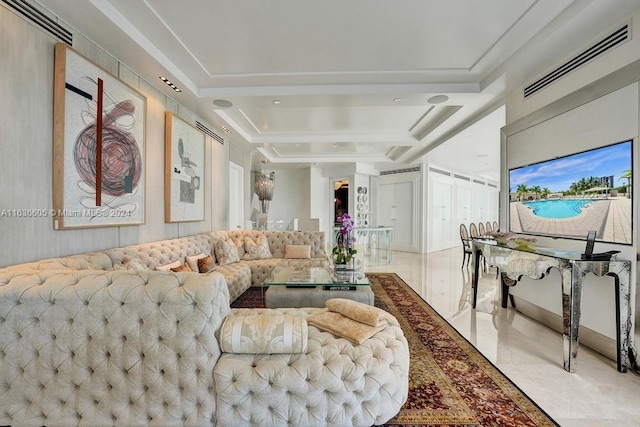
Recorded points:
(535, 263)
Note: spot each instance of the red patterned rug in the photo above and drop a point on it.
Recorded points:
(450, 382)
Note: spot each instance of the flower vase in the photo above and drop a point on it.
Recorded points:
(347, 266)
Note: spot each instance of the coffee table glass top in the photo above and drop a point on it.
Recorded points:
(314, 276)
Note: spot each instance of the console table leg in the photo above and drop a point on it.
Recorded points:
(571, 298)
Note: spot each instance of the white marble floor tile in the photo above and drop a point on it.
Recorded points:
(529, 353)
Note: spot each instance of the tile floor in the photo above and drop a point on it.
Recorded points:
(529, 353)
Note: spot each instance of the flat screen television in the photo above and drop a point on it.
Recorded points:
(569, 196)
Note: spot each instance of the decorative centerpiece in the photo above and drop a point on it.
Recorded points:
(343, 252)
(512, 240)
(501, 238)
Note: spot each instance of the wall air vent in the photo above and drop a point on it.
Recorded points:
(397, 171)
(462, 177)
(439, 171)
(492, 185)
(209, 132)
(479, 182)
(611, 41)
(40, 20)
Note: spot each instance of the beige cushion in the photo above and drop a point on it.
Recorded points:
(192, 261)
(168, 267)
(297, 251)
(206, 264)
(256, 250)
(226, 251)
(258, 334)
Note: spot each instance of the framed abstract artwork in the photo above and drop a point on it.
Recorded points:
(98, 146)
(184, 171)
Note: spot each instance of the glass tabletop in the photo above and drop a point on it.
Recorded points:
(314, 276)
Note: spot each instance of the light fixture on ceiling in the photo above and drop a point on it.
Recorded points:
(397, 99)
(171, 85)
(276, 102)
(224, 128)
(438, 99)
(222, 103)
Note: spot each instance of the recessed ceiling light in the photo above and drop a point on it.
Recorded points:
(397, 99)
(226, 129)
(276, 102)
(438, 99)
(223, 103)
(171, 85)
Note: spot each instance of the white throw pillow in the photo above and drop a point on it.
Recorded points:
(256, 250)
(226, 252)
(192, 261)
(168, 267)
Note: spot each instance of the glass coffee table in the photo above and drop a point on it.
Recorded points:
(312, 286)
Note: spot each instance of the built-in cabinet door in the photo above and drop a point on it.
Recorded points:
(396, 206)
(440, 214)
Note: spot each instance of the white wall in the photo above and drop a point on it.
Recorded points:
(26, 170)
(290, 195)
(595, 105)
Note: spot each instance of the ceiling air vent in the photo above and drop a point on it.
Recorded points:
(209, 132)
(41, 20)
(397, 171)
(616, 38)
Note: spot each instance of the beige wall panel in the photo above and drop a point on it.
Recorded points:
(26, 147)
(26, 152)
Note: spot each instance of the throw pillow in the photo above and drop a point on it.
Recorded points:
(168, 267)
(263, 334)
(256, 250)
(206, 264)
(297, 251)
(183, 268)
(240, 244)
(226, 251)
(193, 261)
(133, 263)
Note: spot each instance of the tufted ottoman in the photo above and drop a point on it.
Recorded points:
(334, 383)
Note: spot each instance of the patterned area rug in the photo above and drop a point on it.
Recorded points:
(450, 382)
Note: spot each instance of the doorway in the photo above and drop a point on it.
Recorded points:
(340, 199)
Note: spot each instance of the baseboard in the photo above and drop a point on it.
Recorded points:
(588, 337)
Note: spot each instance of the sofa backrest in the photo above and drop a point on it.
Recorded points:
(162, 252)
(279, 238)
(109, 347)
(86, 261)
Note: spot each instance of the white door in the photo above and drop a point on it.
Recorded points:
(440, 215)
(236, 196)
(396, 207)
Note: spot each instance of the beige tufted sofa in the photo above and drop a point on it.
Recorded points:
(81, 344)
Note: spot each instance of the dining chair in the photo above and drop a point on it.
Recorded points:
(466, 245)
(496, 226)
(481, 229)
(473, 230)
(488, 227)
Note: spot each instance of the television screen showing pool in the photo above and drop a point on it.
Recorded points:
(568, 196)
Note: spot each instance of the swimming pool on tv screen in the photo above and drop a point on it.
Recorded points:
(557, 209)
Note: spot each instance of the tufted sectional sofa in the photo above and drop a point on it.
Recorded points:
(83, 343)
